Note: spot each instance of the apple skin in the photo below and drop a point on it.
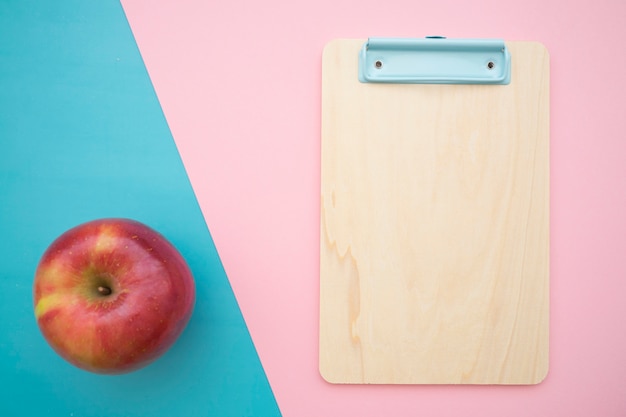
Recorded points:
(152, 295)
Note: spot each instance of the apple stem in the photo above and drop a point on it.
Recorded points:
(104, 290)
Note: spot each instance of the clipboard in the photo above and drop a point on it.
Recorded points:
(434, 225)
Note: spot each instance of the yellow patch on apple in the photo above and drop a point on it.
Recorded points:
(49, 302)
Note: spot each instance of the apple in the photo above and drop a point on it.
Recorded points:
(112, 295)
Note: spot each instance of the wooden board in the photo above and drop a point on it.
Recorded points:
(434, 256)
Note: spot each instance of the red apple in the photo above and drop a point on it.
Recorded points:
(112, 295)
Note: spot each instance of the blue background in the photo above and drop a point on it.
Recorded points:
(82, 136)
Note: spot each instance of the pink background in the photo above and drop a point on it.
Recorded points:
(240, 82)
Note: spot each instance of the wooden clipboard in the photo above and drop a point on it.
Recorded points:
(434, 256)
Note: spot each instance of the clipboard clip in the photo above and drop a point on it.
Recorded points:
(434, 60)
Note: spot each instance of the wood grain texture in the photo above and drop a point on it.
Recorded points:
(434, 255)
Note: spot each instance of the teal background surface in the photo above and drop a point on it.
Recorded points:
(82, 136)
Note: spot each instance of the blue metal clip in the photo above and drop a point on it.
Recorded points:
(435, 60)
